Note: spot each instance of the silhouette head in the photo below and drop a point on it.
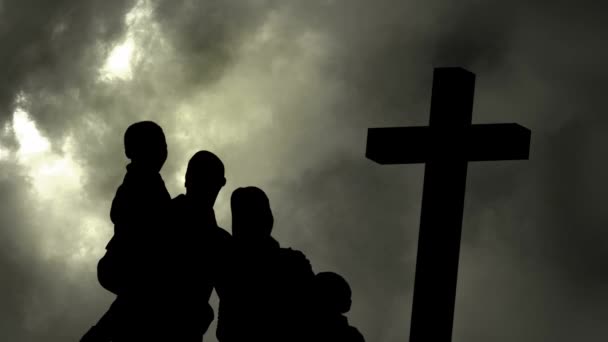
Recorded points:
(251, 214)
(204, 177)
(332, 292)
(145, 145)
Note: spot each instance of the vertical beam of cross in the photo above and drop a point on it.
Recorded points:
(446, 146)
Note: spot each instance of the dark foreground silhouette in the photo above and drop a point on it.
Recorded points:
(445, 146)
(167, 256)
(267, 297)
(332, 300)
(137, 214)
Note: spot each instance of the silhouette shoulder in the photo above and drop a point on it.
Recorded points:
(222, 235)
(294, 254)
(296, 258)
(178, 200)
(353, 335)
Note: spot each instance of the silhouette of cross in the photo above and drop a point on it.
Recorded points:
(446, 146)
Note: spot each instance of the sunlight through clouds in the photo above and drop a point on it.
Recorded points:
(118, 64)
(56, 182)
(31, 143)
(4, 153)
(50, 172)
(124, 56)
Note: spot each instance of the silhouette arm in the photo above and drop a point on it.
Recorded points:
(223, 282)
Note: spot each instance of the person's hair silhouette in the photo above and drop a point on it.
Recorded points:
(332, 296)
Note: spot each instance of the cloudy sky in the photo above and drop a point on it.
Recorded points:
(283, 92)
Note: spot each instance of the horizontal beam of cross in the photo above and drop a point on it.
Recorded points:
(483, 142)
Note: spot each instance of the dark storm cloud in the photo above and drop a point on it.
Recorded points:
(539, 66)
(14, 265)
(207, 34)
(357, 220)
(37, 294)
(70, 40)
(534, 248)
(52, 55)
(49, 47)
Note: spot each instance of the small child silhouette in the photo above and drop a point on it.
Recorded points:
(136, 212)
(333, 299)
(138, 203)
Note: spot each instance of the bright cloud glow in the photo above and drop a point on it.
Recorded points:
(30, 141)
(56, 181)
(118, 64)
(120, 61)
(4, 153)
(51, 173)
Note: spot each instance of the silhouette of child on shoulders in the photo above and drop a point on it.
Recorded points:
(333, 300)
(136, 212)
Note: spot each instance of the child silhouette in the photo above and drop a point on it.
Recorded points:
(333, 299)
(137, 210)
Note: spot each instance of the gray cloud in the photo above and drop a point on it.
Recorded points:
(284, 92)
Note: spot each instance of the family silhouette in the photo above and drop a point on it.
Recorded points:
(167, 255)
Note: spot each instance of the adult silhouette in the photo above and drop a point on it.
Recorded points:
(196, 253)
(171, 302)
(266, 298)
